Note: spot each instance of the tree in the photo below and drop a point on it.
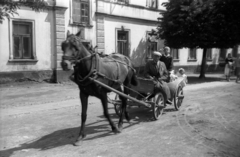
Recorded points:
(9, 7)
(200, 24)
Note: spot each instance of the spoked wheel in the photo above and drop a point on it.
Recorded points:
(117, 105)
(158, 105)
(178, 98)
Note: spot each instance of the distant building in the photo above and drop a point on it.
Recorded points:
(30, 42)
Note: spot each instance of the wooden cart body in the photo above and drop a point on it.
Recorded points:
(144, 93)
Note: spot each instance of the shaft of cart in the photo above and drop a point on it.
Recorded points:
(120, 93)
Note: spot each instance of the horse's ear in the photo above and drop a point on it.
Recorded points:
(68, 33)
(79, 33)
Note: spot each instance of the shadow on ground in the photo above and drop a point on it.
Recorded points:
(196, 79)
(68, 136)
(61, 138)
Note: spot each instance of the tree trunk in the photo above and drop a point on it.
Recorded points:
(203, 66)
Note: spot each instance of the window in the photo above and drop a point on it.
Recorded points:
(122, 42)
(174, 54)
(209, 54)
(80, 11)
(152, 46)
(22, 40)
(123, 1)
(235, 51)
(152, 4)
(223, 53)
(192, 54)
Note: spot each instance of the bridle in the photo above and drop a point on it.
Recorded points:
(74, 59)
(94, 71)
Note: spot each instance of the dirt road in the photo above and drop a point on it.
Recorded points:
(43, 120)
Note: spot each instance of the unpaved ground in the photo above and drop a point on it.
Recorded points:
(43, 120)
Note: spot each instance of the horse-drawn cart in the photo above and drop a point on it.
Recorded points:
(98, 75)
(144, 93)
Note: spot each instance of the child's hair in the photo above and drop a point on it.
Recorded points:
(181, 70)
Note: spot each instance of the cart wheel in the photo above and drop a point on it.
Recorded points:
(158, 105)
(117, 106)
(178, 98)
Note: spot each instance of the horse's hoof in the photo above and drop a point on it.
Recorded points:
(116, 131)
(127, 117)
(78, 143)
(120, 127)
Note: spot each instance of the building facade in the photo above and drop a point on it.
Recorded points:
(30, 42)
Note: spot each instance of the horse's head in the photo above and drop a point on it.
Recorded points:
(71, 48)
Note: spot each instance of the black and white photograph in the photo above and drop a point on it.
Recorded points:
(119, 78)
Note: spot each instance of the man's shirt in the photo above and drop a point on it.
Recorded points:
(168, 60)
(157, 70)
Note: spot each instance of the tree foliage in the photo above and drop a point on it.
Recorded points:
(9, 7)
(200, 23)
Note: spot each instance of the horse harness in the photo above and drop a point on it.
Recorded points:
(94, 73)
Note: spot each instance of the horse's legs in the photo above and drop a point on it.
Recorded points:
(126, 91)
(106, 114)
(84, 101)
(124, 110)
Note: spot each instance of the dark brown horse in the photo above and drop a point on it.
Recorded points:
(113, 70)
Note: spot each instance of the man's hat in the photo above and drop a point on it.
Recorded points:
(157, 53)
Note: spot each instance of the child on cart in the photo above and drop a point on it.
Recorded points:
(181, 74)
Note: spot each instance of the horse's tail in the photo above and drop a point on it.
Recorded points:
(134, 80)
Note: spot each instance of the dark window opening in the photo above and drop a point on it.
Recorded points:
(152, 4)
(192, 54)
(152, 46)
(223, 53)
(174, 53)
(122, 42)
(209, 54)
(22, 40)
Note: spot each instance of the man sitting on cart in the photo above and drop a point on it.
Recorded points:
(157, 71)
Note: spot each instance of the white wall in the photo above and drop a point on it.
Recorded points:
(43, 40)
(90, 32)
(137, 38)
(128, 11)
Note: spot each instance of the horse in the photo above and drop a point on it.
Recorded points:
(113, 70)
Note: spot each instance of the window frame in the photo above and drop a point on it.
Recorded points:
(173, 56)
(209, 51)
(221, 55)
(89, 23)
(150, 6)
(128, 40)
(123, 1)
(32, 40)
(149, 50)
(151, 40)
(189, 54)
(235, 51)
